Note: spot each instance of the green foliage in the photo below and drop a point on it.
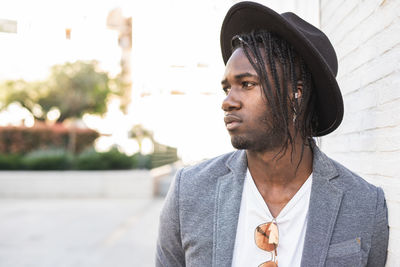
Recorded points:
(24, 93)
(116, 160)
(76, 88)
(10, 162)
(110, 160)
(61, 159)
(73, 88)
(51, 159)
(90, 160)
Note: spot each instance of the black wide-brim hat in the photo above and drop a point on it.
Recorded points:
(308, 41)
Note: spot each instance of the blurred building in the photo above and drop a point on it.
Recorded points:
(8, 26)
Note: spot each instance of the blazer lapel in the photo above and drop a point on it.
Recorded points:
(323, 209)
(228, 199)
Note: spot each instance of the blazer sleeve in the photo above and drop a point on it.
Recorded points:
(380, 236)
(169, 251)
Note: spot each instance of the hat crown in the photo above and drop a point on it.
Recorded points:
(316, 38)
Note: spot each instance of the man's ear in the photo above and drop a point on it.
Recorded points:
(299, 87)
(299, 92)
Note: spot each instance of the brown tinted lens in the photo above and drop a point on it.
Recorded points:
(261, 236)
(268, 264)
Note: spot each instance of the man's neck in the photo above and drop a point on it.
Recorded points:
(278, 177)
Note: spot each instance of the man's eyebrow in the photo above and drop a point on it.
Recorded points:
(245, 75)
(240, 76)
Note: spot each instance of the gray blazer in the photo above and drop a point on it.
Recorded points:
(347, 217)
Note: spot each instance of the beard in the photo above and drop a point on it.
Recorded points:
(263, 138)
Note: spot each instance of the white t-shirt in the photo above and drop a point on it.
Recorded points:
(291, 222)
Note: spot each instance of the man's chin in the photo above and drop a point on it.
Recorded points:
(240, 142)
(264, 144)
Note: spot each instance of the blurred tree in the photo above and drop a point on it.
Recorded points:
(24, 93)
(139, 133)
(72, 88)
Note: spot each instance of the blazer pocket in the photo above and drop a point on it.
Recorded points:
(347, 253)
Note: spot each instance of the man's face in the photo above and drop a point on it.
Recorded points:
(247, 115)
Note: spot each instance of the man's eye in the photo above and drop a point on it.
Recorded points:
(248, 84)
(226, 90)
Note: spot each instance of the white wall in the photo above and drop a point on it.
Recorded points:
(366, 36)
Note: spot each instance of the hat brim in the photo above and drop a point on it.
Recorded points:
(245, 17)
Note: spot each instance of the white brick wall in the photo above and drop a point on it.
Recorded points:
(366, 36)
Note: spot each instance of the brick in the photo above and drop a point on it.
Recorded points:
(371, 119)
(324, 4)
(393, 259)
(373, 70)
(394, 215)
(369, 96)
(329, 12)
(350, 39)
(389, 88)
(394, 248)
(359, 14)
(394, 240)
(369, 141)
(336, 22)
(372, 48)
(382, 164)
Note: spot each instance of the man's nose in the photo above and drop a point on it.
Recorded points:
(231, 101)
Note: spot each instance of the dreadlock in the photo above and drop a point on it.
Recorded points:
(268, 52)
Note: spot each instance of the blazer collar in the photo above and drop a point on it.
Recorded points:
(228, 199)
(323, 166)
(324, 206)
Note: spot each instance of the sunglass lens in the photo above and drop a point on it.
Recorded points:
(268, 264)
(261, 235)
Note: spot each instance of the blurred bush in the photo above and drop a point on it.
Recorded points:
(89, 159)
(10, 162)
(21, 140)
(50, 159)
(110, 160)
(115, 160)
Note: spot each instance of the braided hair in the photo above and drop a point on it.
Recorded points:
(267, 52)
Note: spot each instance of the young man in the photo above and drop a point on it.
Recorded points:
(277, 200)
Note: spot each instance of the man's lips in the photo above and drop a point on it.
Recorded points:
(232, 121)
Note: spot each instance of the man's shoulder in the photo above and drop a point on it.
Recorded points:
(341, 176)
(216, 166)
(348, 180)
(200, 181)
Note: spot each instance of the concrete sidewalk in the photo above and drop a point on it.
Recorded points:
(71, 184)
(78, 232)
(79, 218)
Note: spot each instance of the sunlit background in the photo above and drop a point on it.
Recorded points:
(171, 61)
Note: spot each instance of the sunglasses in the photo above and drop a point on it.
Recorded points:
(266, 237)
